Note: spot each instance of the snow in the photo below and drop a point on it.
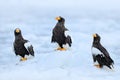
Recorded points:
(36, 19)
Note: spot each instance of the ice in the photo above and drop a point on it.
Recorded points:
(36, 19)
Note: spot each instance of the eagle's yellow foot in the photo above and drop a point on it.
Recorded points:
(23, 59)
(61, 49)
(97, 65)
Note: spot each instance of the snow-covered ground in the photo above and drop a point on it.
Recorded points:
(36, 19)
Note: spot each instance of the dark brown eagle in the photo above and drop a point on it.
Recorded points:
(100, 54)
(22, 47)
(59, 34)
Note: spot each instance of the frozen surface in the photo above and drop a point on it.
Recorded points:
(36, 20)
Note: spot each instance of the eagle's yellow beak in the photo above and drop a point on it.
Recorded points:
(94, 35)
(17, 30)
(57, 18)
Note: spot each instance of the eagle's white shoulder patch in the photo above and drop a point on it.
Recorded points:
(96, 51)
(66, 33)
(28, 44)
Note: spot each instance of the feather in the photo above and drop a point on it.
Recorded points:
(96, 51)
(66, 33)
(68, 40)
(29, 48)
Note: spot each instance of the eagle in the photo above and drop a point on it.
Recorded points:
(100, 55)
(59, 34)
(22, 46)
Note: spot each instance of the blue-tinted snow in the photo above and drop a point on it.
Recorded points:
(36, 19)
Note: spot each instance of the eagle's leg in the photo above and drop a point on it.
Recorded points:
(23, 59)
(61, 48)
(98, 65)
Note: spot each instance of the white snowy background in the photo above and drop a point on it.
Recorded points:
(36, 19)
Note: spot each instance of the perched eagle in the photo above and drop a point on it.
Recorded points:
(59, 34)
(100, 54)
(22, 47)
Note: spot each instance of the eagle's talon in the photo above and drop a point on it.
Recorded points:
(61, 49)
(23, 59)
(97, 65)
